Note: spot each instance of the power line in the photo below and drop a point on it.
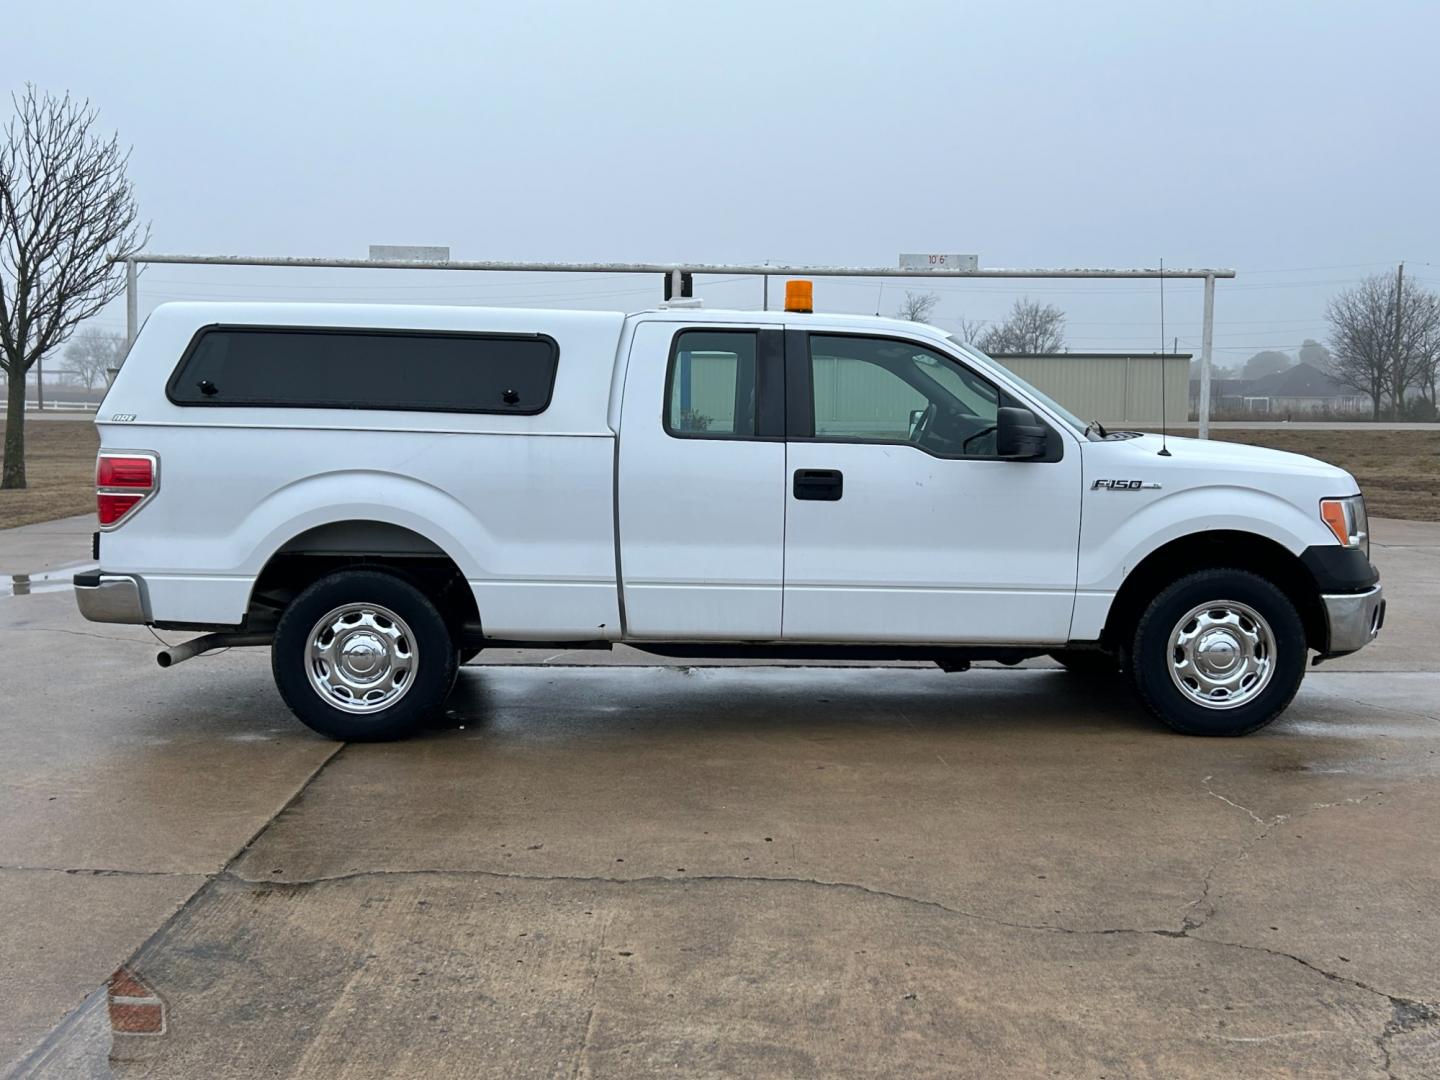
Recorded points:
(1308, 269)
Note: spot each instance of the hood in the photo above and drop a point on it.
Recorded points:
(1242, 457)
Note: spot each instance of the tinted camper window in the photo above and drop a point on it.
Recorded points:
(366, 369)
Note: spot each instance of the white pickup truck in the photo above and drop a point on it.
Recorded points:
(380, 492)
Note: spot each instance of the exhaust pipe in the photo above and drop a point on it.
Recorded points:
(208, 643)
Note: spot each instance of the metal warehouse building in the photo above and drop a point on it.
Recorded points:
(1118, 389)
(1115, 388)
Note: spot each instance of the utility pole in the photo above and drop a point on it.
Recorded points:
(132, 304)
(1207, 336)
(39, 384)
(1396, 390)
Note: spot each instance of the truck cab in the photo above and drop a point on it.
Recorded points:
(379, 492)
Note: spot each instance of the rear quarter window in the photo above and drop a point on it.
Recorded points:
(318, 368)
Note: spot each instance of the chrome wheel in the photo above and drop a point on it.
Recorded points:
(361, 658)
(1222, 654)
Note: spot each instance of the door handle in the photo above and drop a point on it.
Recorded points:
(820, 485)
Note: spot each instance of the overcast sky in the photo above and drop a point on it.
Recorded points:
(1295, 142)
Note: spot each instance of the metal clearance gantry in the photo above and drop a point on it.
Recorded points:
(678, 275)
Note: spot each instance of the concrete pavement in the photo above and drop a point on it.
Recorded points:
(626, 870)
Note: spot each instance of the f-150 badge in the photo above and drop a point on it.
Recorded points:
(1121, 485)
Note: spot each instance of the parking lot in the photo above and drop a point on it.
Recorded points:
(614, 869)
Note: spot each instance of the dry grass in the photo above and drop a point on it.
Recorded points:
(1399, 471)
(60, 468)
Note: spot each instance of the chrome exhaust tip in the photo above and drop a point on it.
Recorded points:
(186, 650)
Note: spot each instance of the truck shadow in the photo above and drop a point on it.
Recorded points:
(555, 702)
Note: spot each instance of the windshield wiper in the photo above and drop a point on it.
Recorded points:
(1095, 425)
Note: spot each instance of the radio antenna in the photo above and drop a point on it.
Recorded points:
(1164, 445)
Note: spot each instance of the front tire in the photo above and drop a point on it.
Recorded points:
(363, 656)
(1219, 652)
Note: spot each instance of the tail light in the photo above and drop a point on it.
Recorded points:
(123, 480)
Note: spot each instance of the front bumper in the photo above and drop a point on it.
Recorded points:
(1353, 618)
(111, 598)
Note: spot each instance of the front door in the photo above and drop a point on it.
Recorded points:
(901, 522)
(702, 483)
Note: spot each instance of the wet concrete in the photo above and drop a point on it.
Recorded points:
(630, 871)
(32, 549)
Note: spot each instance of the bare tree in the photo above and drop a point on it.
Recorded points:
(970, 331)
(1032, 328)
(66, 209)
(1427, 345)
(1377, 353)
(92, 353)
(918, 306)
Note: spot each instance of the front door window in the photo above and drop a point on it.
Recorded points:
(887, 391)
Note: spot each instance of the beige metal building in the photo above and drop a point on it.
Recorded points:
(1118, 389)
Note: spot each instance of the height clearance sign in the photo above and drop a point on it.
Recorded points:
(939, 261)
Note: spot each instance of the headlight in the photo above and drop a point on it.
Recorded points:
(1346, 519)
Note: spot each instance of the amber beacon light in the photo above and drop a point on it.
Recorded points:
(800, 296)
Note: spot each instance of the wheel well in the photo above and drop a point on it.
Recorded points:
(351, 545)
(1209, 550)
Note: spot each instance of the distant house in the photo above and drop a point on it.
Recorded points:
(1226, 395)
(1303, 389)
(1296, 391)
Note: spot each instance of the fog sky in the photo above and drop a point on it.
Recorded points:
(1294, 142)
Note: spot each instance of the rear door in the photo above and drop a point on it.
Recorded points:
(701, 483)
(902, 524)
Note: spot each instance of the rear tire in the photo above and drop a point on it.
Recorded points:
(363, 656)
(1219, 652)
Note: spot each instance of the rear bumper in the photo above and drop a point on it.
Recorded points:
(111, 598)
(1354, 619)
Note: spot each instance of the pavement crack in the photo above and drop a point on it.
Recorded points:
(1190, 921)
(1406, 1014)
(664, 879)
(1194, 913)
(1414, 1009)
(1229, 801)
(103, 871)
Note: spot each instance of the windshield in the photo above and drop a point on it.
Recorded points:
(1040, 396)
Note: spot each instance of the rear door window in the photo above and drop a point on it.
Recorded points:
(711, 385)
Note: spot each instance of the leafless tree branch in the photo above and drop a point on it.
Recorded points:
(918, 306)
(1032, 329)
(971, 331)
